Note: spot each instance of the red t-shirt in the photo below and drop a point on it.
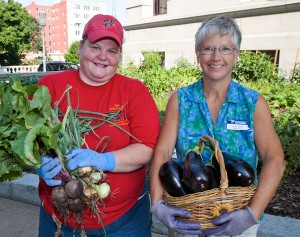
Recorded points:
(139, 117)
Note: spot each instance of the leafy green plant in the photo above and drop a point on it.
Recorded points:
(284, 101)
(72, 54)
(295, 75)
(30, 128)
(183, 74)
(255, 67)
(25, 80)
(19, 32)
(152, 60)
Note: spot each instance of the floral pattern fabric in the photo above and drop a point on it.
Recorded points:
(234, 129)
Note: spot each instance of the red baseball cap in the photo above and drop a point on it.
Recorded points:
(102, 26)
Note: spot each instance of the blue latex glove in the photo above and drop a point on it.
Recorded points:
(166, 214)
(49, 169)
(235, 223)
(85, 157)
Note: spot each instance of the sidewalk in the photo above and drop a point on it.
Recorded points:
(19, 208)
(19, 213)
(18, 219)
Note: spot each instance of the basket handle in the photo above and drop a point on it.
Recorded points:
(219, 157)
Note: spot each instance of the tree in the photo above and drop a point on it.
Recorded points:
(19, 33)
(72, 55)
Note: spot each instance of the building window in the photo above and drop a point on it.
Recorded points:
(160, 7)
(77, 6)
(86, 16)
(87, 8)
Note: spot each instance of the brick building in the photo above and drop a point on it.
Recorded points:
(65, 21)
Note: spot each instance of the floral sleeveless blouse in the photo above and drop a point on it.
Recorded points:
(234, 129)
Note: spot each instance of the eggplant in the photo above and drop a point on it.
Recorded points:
(239, 172)
(196, 175)
(170, 175)
(215, 176)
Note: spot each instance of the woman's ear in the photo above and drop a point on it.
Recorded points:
(198, 56)
(237, 56)
(81, 42)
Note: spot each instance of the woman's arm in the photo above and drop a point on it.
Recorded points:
(270, 150)
(165, 146)
(132, 157)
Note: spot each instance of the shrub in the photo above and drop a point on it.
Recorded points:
(295, 75)
(255, 67)
(284, 101)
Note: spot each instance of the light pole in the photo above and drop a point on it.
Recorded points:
(42, 22)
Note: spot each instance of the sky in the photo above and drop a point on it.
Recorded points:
(120, 6)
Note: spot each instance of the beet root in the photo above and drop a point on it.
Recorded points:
(76, 205)
(59, 197)
(74, 189)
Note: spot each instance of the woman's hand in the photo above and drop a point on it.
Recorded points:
(49, 169)
(85, 157)
(234, 223)
(166, 214)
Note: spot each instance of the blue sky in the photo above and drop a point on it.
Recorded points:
(120, 6)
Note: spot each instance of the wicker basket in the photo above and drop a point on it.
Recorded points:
(202, 205)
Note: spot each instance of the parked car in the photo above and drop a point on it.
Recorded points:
(58, 66)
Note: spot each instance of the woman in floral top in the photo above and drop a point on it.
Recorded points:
(237, 117)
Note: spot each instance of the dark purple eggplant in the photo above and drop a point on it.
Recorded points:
(196, 175)
(215, 176)
(239, 172)
(170, 174)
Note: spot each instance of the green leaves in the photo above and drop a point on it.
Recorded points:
(31, 128)
(24, 128)
(253, 66)
(18, 32)
(72, 54)
(8, 168)
(284, 101)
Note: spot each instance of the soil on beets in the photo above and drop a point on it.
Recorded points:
(286, 201)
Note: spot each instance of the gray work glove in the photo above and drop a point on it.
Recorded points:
(234, 223)
(166, 214)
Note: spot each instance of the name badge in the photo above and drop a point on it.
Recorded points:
(233, 124)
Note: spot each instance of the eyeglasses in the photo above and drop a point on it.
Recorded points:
(209, 50)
